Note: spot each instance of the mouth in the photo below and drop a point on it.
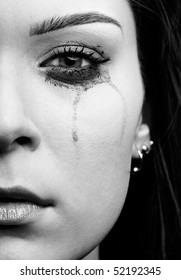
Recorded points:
(20, 206)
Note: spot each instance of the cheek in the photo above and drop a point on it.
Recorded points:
(103, 155)
(102, 116)
(96, 166)
(93, 171)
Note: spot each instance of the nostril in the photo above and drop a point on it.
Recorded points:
(24, 141)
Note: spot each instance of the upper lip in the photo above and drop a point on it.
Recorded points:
(21, 194)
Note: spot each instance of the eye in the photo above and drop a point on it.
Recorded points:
(68, 61)
(72, 56)
(72, 64)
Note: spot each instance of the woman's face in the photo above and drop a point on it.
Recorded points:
(71, 95)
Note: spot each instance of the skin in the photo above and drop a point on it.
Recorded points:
(87, 178)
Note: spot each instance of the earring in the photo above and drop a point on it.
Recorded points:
(141, 153)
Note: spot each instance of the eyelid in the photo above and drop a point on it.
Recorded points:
(80, 50)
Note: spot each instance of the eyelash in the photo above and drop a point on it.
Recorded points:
(59, 75)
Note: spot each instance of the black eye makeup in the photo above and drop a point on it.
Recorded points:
(73, 64)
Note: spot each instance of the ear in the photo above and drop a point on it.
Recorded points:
(142, 137)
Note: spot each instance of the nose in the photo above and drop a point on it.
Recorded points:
(17, 130)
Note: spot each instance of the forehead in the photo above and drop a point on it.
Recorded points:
(23, 13)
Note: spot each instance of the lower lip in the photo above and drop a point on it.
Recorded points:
(14, 213)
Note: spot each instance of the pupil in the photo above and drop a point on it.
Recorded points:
(70, 61)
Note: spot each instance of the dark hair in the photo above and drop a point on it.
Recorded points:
(149, 226)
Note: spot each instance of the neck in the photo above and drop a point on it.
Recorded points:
(93, 255)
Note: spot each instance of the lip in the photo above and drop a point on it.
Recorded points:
(18, 205)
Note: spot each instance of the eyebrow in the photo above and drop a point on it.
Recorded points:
(56, 23)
